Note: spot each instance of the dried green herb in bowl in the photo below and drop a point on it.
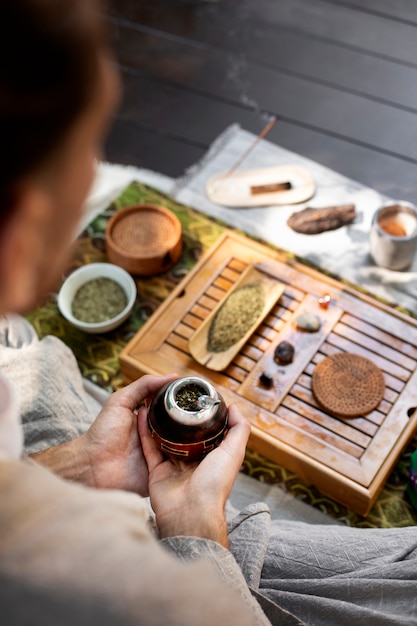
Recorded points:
(98, 300)
(97, 297)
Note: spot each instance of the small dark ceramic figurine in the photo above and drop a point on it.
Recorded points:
(187, 418)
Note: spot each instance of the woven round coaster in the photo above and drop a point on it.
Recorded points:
(348, 385)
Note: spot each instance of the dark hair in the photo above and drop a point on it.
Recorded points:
(49, 55)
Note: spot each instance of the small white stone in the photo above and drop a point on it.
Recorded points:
(309, 322)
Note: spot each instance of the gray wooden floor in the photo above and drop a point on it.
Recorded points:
(340, 74)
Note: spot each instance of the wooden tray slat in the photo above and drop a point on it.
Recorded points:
(377, 347)
(300, 402)
(192, 320)
(302, 391)
(207, 304)
(384, 364)
(314, 437)
(347, 459)
(381, 336)
(251, 352)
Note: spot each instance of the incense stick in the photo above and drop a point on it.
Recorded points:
(261, 135)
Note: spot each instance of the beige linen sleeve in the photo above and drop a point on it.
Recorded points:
(65, 538)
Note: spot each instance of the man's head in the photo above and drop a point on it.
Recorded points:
(58, 87)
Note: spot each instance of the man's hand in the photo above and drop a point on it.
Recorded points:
(189, 498)
(109, 454)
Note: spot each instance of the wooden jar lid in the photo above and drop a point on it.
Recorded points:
(348, 385)
(144, 239)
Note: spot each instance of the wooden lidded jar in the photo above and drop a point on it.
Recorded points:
(187, 418)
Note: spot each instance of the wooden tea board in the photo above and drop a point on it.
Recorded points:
(347, 459)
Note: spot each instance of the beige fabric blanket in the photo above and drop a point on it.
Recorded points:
(54, 406)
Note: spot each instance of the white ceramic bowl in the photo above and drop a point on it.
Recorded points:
(83, 275)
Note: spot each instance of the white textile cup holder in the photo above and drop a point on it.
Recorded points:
(393, 235)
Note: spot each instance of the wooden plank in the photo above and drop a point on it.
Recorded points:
(318, 60)
(290, 299)
(222, 283)
(373, 345)
(179, 342)
(352, 28)
(276, 323)
(129, 144)
(332, 450)
(272, 89)
(204, 306)
(331, 23)
(384, 364)
(184, 331)
(230, 273)
(160, 100)
(300, 402)
(244, 362)
(381, 336)
(405, 10)
(215, 293)
(251, 352)
(236, 264)
(259, 343)
(302, 391)
(192, 320)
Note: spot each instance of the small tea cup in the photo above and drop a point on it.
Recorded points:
(393, 235)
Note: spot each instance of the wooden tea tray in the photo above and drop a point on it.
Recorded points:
(347, 459)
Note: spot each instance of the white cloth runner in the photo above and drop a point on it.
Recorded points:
(344, 252)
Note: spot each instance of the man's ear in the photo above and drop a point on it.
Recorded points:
(21, 245)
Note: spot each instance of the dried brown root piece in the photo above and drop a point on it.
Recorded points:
(311, 221)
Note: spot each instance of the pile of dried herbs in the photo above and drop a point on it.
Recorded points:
(98, 300)
(235, 317)
(187, 397)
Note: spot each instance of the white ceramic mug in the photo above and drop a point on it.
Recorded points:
(393, 235)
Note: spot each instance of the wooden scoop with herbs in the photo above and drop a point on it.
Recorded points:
(223, 333)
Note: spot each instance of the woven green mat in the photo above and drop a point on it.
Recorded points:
(97, 355)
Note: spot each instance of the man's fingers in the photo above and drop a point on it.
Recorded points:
(237, 437)
(135, 393)
(152, 453)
